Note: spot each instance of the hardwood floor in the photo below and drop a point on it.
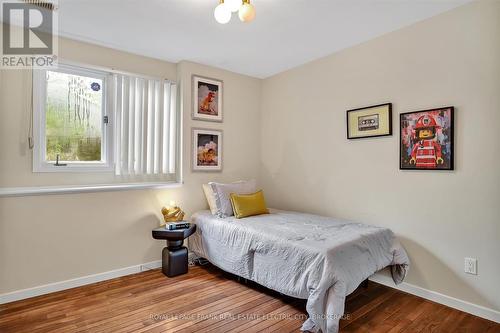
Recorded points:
(209, 300)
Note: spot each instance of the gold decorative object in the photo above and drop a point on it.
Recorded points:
(173, 213)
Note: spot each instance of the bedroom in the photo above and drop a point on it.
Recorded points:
(277, 115)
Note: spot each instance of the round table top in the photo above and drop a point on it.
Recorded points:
(172, 235)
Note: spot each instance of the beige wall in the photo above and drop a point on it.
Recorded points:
(441, 217)
(51, 238)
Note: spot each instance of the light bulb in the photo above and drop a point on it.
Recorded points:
(247, 12)
(222, 14)
(233, 5)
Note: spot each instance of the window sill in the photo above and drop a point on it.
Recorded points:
(44, 190)
(73, 167)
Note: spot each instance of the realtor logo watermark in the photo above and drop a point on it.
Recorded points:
(29, 38)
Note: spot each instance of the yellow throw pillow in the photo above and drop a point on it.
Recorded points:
(245, 205)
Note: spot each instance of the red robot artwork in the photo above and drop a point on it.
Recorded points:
(427, 139)
(426, 153)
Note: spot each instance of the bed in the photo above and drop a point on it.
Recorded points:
(306, 256)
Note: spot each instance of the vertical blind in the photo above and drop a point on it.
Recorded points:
(145, 131)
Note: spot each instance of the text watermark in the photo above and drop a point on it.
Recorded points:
(29, 35)
(241, 316)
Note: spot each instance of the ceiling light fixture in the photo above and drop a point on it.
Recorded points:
(223, 12)
(247, 11)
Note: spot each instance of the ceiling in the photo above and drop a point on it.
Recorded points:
(284, 34)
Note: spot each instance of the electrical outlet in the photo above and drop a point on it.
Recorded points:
(470, 265)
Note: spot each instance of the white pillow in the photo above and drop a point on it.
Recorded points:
(222, 192)
(209, 194)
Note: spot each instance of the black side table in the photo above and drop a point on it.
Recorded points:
(174, 255)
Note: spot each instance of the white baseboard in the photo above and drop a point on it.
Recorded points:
(452, 302)
(67, 284)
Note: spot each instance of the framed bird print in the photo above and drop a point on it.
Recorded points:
(207, 150)
(426, 139)
(207, 99)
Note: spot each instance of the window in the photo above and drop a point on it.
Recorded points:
(71, 120)
(88, 120)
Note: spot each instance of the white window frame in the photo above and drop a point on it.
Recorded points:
(39, 123)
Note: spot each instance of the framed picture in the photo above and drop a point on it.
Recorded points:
(370, 121)
(426, 139)
(207, 99)
(207, 150)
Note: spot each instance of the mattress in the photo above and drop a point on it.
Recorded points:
(306, 256)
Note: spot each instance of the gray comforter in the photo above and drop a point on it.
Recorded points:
(306, 256)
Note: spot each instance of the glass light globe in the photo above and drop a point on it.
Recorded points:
(247, 12)
(222, 14)
(233, 5)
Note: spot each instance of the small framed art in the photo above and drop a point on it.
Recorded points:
(207, 99)
(370, 121)
(207, 150)
(426, 139)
